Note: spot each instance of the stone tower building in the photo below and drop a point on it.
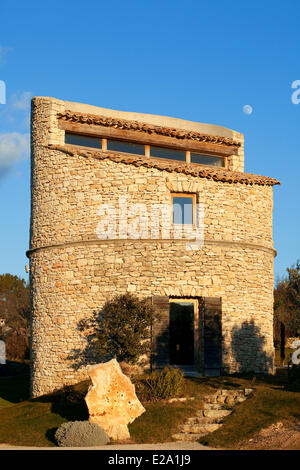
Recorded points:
(100, 179)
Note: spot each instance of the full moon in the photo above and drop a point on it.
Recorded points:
(247, 109)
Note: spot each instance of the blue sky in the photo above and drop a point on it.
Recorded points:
(201, 61)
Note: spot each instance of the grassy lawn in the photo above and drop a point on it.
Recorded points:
(273, 400)
(29, 424)
(160, 421)
(33, 422)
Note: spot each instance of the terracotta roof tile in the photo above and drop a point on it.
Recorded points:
(212, 173)
(147, 128)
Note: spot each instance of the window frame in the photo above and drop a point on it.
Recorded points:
(100, 148)
(147, 149)
(168, 148)
(192, 196)
(206, 155)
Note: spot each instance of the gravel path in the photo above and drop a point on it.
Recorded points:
(278, 436)
(162, 446)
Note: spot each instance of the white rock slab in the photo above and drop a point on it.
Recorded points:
(111, 400)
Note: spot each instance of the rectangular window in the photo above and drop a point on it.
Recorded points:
(143, 149)
(183, 209)
(84, 140)
(210, 160)
(170, 154)
(125, 147)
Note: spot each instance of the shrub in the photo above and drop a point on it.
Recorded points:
(131, 370)
(121, 329)
(163, 384)
(14, 316)
(80, 434)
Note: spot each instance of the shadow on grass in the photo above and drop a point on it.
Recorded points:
(279, 381)
(14, 385)
(71, 411)
(68, 402)
(50, 435)
(14, 368)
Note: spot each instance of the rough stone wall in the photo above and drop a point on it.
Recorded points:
(72, 272)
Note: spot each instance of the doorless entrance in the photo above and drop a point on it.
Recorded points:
(188, 334)
(183, 331)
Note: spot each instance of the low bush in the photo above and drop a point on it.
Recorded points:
(80, 434)
(131, 370)
(163, 384)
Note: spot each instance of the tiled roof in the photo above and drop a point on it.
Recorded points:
(212, 173)
(143, 127)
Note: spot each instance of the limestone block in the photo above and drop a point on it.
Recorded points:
(111, 400)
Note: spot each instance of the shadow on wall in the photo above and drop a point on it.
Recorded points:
(247, 344)
(90, 354)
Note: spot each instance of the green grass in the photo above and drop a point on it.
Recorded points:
(28, 422)
(14, 387)
(13, 390)
(161, 420)
(273, 400)
(33, 422)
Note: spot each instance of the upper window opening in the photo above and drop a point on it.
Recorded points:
(125, 147)
(134, 148)
(183, 206)
(207, 159)
(84, 140)
(168, 153)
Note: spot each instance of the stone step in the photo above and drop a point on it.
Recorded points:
(199, 428)
(212, 406)
(232, 392)
(232, 396)
(216, 413)
(231, 401)
(202, 420)
(216, 399)
(213, 413)
(225, 400)
(182, 436)
(210, 418)
(240, 399)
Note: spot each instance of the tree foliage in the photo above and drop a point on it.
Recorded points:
(287, 303)
(14, 315)
(122, 328)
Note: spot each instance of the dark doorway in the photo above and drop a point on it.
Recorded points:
(182, 331)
